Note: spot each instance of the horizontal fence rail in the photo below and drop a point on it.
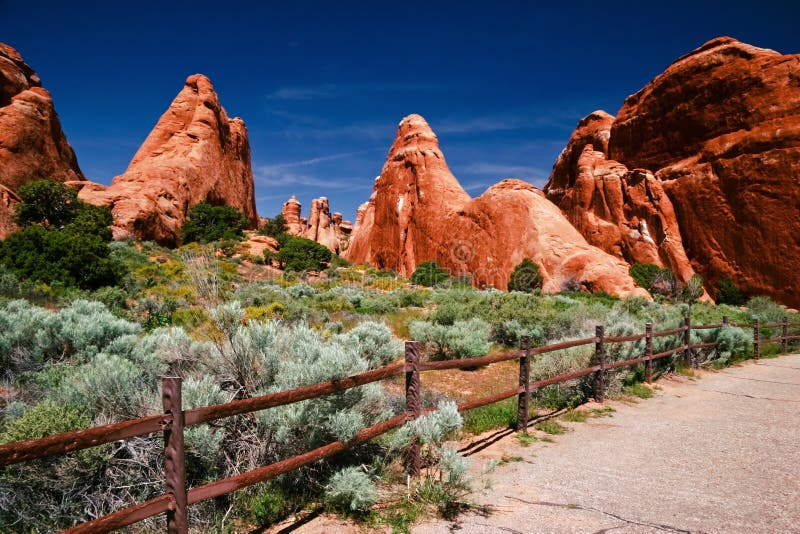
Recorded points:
(172, 423)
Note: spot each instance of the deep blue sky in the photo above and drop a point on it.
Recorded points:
(322, 85)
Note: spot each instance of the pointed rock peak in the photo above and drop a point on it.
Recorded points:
(414, 133)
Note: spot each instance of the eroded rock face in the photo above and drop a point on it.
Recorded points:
(194, 153)
(32, 144)
(419, 212)
(720, 129)
(321, 226)
(624, 212)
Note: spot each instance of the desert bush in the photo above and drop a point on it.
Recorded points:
(525, 277)
(36, 496)
(274, 227)
(300, 254)
(373, 342)
(60, 256)
(429, 274)
(462, 339)
(46, 202)
(692, 290)
(729, 293)
(207, 223)
(301, 290)
(644, 274)
(351, 489)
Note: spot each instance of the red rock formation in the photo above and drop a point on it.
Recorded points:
(321, 227)
(720, 128)
(32, 144)
(419, 212)
(291, 213)
(194, 153)
(626, 213)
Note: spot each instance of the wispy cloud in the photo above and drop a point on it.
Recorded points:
(503, 170)
(499, 123)
(337, 90)
(306, 162)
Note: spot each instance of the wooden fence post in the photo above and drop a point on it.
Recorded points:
(524, 383)
(784, 335)
(726, 321)
(413, 405)
(687, 340)
(756, 340)
(648, 352)
(600, 357)
(174, 459)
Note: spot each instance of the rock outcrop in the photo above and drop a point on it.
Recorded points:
(194, 153)
(720, 130)
(32, 144)
(321, 226)
(624, 212)
(419, 212)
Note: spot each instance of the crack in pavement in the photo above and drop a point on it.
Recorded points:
(758, 379)
(781, 366)
(657, 526)
(747, 396)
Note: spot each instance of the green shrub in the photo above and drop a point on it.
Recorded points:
(46, 202)
(351, 489)
(429, 274)
(525, 277)
(300, 254)
(729, 293)
(644, 274)
(207, 223)
(692, 290)
(462, 339)
(274, 227)
(73, 252)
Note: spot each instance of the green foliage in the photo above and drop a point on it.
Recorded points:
(70, 245)
(462, 339)
(429, 274)
(639, 390)
(501, 414)
(274, 227)
(644, 274)
(351, 489)
(550, 426)
(60, 256)
(729, 293)
(207, 223)
(525, 277)
(300, 254)
(46, 202)
(692, 290)
(43, 420)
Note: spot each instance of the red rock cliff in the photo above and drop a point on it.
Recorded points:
(194, 153)
(419, 212)
(624, 212)
(32, 144)
(720, 130)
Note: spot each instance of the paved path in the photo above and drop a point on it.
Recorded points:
(716, 454)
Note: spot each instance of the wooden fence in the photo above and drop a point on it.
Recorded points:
(174, 420)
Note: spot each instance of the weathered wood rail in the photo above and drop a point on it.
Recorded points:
(174, 420)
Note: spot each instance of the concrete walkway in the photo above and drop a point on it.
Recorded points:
(717, 454)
